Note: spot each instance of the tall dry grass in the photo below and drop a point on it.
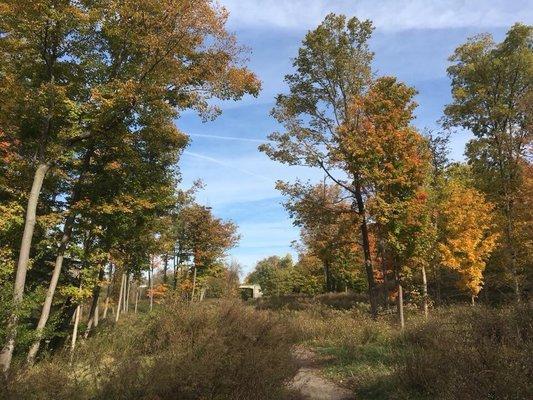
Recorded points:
(213, 350)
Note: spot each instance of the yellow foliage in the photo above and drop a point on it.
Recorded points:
(467, 237)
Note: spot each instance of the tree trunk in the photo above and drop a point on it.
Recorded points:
(120, 296)
(327, 275)
(137, 294)
(93, 314)
(45, 313)
(165, 268)
(108, 291)
(425, 292)
(193, 283)
(75, 329)
(126, 302)
(473, 300)
(366, 251)
(151, 279)
(438, 278)
(67, 233)
(175, 282)
(106, 306)
(400, 301)
(96, 315)
(22, 265)
(385, 275)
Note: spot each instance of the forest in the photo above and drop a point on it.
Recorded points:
(413, 275)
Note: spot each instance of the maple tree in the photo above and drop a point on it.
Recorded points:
(466, 236)
(491, 87)
(331, 69)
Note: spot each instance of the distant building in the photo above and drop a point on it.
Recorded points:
(250, 291)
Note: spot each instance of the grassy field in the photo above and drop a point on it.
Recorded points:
(459, 353)
(231, 350)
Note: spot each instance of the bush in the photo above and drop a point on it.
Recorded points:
(471, 353)
(340, 301)
(212, 350)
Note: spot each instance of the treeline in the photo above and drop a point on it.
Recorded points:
(393, 216)
(90, 91)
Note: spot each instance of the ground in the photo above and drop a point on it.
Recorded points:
(309, 382)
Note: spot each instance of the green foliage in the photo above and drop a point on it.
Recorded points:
(491, 89)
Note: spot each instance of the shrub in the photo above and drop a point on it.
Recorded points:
(471, 353)
(212, 350)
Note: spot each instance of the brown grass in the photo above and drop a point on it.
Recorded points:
(213, 350)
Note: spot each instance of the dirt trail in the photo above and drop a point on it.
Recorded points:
(310, 384)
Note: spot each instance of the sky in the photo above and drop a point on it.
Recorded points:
(412, 40)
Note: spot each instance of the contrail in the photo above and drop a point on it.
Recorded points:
(225, 164)
(229, 138)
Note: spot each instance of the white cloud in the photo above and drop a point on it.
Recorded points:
(392, 15)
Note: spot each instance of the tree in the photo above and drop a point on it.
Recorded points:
(465, 234)
(332, 68)
(206, 240)
(328, 227)
(273, 275)
(491, 87)
(108, 68)
(37, 108)
(391, 160)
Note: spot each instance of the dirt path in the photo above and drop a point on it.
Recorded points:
(310, 384)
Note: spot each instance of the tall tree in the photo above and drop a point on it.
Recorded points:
(38, 83)
(391, 159)
(491, 85)
(104, 68)
(331, 69)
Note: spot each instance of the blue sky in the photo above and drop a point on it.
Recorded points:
(412, 40)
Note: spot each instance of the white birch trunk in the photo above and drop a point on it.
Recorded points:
(22, 266)
(120, 297)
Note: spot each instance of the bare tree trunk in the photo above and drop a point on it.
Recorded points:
(327, 275)
(126, 303)
(151, 278)
(22, 265)
(366, 251)
(67, 233)
(175, 283)
(106, 306)
(93, 311)
(384, 273)
(96, 315)
(108, 291)
(425, 292)
(400, 300)
(75, 329)
(45, 313)
(193, 283)
(165, 268)
(473, 300)
(120, 296)
(137, 294)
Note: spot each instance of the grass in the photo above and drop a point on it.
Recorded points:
(459, 353)
(221, 350)
(215, 350)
